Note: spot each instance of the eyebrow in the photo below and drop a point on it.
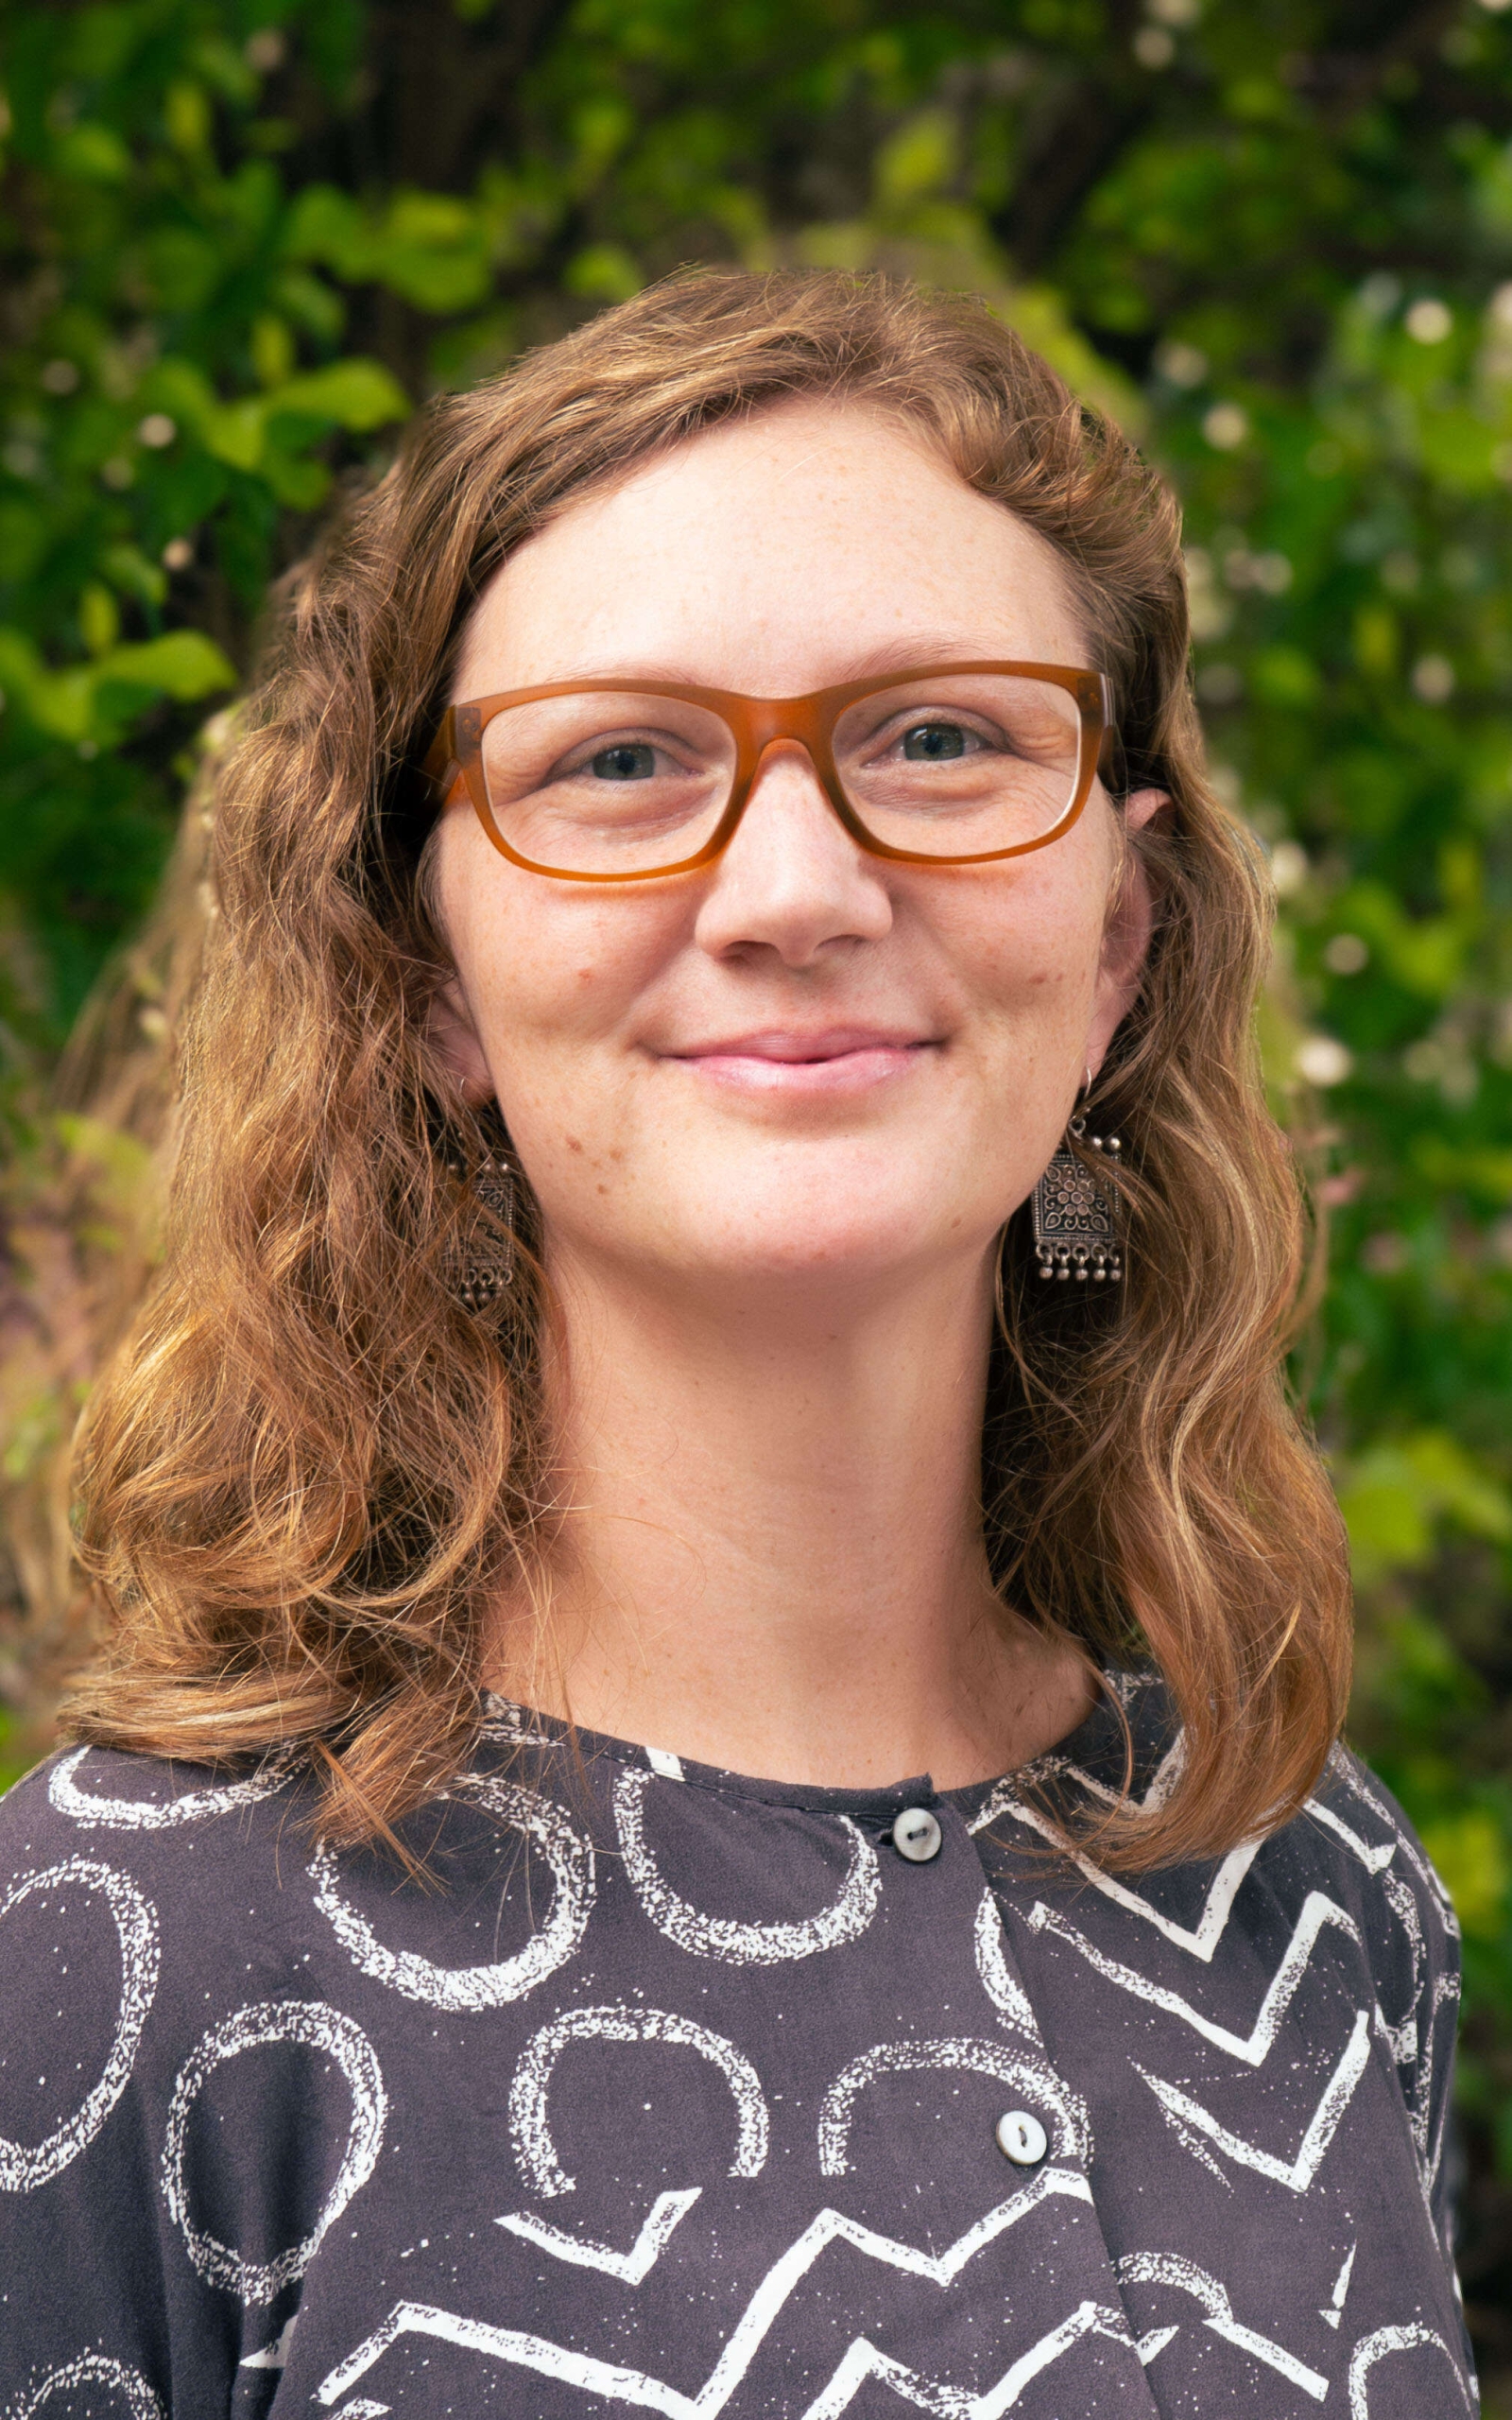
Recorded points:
(903, 654)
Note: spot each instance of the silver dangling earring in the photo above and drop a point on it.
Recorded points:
(1075, 1233)
(482, 1264)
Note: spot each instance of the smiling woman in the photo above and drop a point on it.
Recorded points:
(722, 823)
(765, 490)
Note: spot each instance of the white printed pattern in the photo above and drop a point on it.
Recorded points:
(1168, 2268)
(274, 2356)
(1190, 2122)
(632, 2268)
(1331, 2312)
(1318, 1911)
(23, 2166)
(512, 1725)
(462, 1989)
(1377, 2348)
(160, 1815)
(136, 2398)
(320, 2027)
(1200, 1939)
(723, 1937)
(1412, 2038)
(1297, 2173)
(864, 2361)
(1351, 1778)
(1405, 2034)
(529, 2128)
(754, 2325)
(1006, 1995)
(1071, 2140)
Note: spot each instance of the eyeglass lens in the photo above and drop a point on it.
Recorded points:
(953, 765)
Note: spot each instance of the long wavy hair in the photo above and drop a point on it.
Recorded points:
(310, 1471)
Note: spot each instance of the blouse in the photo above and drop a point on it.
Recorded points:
(665, 2090)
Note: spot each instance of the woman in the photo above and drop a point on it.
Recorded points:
(655, 1297)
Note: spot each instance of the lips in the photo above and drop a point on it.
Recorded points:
(805, 1049)
(831, 1058)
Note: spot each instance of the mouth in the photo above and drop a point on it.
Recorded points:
(836, 1059)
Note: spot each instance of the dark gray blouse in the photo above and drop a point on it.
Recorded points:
(685, 2094)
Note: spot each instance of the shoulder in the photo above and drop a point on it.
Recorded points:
(1349, 1863)
(109, 1853)
(147, 1932)
(112, 1799)
(1352, 1832)
(1350, 1866)
(1352, 1838)
(1353, 1856)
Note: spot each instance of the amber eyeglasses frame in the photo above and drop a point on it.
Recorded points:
(757, 724)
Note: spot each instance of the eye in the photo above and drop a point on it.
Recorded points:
(629, 760)
(934, 743)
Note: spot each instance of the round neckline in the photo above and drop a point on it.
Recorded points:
(511, 1725)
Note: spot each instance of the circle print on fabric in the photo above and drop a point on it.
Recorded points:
(740, 1943)
(25, 2166)
(462, 1989)
(134, 2398)
(1379, 2347)
(530, 2130)
(317, 2027)
(160, 1815)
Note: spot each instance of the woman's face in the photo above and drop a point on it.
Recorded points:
(800, 1061)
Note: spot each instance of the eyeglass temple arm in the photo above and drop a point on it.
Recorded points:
(1107, 740)
(440, 761)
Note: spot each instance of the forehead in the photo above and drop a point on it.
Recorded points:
(777, 555)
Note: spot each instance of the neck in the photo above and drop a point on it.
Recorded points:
(771, 1557)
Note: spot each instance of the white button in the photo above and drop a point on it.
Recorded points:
(1022, 2137)
(917, 1836)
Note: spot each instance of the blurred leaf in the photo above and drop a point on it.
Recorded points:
(1472, 1856)
(1395, 1495)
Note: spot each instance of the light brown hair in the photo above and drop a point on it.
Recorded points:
(310, 1469)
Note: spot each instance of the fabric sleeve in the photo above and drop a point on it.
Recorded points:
(1416, 1963)
(81, 2279)
(1437, 2033)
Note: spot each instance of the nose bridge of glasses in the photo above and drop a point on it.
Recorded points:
(785, 730)
(765, 720)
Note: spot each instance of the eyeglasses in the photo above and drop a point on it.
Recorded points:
(620, 781)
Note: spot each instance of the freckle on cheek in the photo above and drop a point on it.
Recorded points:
(572, 1144)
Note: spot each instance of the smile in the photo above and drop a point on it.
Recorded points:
(837, 1060)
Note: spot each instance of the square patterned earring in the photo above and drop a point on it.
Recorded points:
(1075, 1233)
(483, 1261)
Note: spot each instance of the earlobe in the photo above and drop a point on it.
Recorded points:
(453, 1038)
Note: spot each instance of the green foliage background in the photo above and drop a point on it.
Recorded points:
(241, 238)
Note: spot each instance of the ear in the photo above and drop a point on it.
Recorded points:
(454, 1037)
(1126, 934)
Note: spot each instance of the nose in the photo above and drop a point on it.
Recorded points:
(792, 880)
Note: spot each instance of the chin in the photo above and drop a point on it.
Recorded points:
(779, 1243)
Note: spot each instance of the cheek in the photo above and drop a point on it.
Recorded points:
(550, 970)
(1028, 957)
